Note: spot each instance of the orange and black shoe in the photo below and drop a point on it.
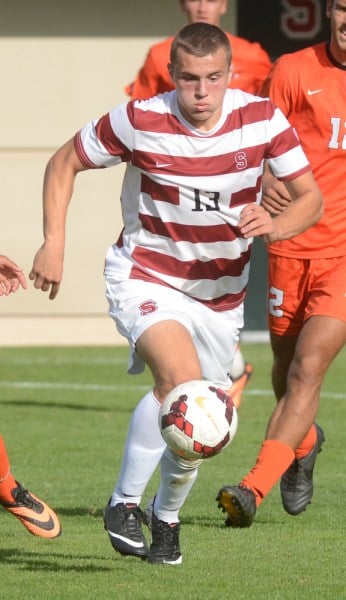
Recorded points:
(239, 503)
(36, 515)
(238, 385)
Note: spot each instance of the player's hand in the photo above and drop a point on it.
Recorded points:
(255, 221)
(47, 269)
(275, 197)
(11, 276)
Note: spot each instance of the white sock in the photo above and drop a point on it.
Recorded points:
(177, 478)
(143, 450)
(238, 364)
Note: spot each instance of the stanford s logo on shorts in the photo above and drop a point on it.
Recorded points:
(147, 307)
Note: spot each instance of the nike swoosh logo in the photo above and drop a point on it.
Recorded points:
(127, 540)
(161, 165)
(312, 92)
(46, 525)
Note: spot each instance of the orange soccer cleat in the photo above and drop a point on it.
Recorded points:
(36, 515)
(238, 385)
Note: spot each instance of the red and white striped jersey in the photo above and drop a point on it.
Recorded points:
(184, 189)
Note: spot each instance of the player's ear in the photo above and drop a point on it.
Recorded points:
(170, 70)
(224, 7)
(230, 73)
(329, 9)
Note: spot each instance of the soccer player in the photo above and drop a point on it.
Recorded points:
(307, 278)
(250, 66)
(250, 62)
(177, 276)
(36, 515)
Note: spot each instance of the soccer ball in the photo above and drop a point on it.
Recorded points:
(198, 419)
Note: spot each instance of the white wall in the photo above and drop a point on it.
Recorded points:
(61, 66)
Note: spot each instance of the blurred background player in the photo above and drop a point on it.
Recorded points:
(250, 62)
(36, 515)
(307, 277)
(250, 66)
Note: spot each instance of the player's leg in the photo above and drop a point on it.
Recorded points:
(210, 330)
(283, 347)
(177, 478)
(38, 518)
(240, 373)
(320, 341)
(174, 336)
(292, 438)
(167, 348)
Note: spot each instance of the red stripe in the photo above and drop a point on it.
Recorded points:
(166, 193)
(284, 141)
(110, 141)
(191, 269)
(197, 167)
(79, 148)
(246, 196)
(220, 304)
(251, 113)
(189, 233)
(167, 123)
(149, 120)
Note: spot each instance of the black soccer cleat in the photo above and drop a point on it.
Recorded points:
(165, 548)
(296, 485)
(123, 523)
(239, 503)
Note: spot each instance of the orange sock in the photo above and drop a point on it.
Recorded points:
(307, 444)
(7, 481)
(273, 460)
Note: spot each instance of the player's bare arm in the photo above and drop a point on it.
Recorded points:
(302, 213)
(59, 177)
(275, 197)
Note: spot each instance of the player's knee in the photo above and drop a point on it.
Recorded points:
(307, 369)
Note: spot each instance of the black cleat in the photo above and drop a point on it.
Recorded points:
(239, 503)
(165, 548)
(123, 525)
(296, 485)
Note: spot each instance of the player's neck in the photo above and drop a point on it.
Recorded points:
(336, 54)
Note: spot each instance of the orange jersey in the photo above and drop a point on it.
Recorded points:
(250, 63)
(310, 88)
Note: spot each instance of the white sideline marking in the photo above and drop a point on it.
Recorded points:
(96, 387)
(48, 385)
(65, 361)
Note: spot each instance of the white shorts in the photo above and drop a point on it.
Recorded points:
(135, 305)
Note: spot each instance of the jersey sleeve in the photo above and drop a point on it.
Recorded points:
(107, 141)
(280, 86)
(285, 154)
(261, 67)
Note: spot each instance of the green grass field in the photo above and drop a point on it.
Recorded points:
(65, 413)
